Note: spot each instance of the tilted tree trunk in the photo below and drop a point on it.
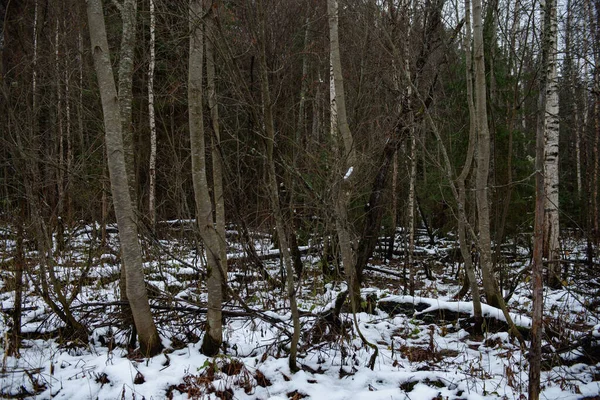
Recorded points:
(204, 213)
(130, 247)
(273, 187)
(551, 129)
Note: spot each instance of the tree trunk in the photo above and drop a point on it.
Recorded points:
(124, 210)
(204, 213)
(217, 157)
(551, 129)
(128, 11)
(535, 354)
(346, 157)
(274, 188)
(411, 211)
(19, 262)
(483, 163)
(394, 209)
(462, 197)
(151, 120)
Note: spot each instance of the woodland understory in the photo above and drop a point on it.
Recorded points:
(328, 199)
(426, 345)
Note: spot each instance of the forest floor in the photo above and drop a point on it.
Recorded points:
(425, 348)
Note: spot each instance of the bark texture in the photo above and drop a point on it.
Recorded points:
(535, 354)
(151, 118)
(204, 212)
(490, 285)
(131, 253)
(551, 128)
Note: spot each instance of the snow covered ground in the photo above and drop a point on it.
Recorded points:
(419, 358)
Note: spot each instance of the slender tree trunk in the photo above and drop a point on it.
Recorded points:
(411, 210)
(19, 263)
(217, 157)
(551, 129)
(535, 354)
(462, 197)
(124, 210)
(128, 11)
(394, 208)
(204, 213)
(594, 28)
(60, 172)
(82, 141)
(490, 285)
(346, 158)
(151, 119)
(274, 187)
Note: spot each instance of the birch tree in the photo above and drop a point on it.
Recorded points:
(551, 129)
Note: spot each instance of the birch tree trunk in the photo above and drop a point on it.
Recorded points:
(130, 247)
(274, 188)
(535, 354)
(551, 128)
(204, 213)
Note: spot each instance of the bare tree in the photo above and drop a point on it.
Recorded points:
(132, 257)
(551, 129)
(151, 117)
(535, 354)
(273, 187)
(460, 181)
(204, 212)
(490, 285)
(217, 156)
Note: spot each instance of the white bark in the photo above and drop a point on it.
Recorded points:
(551, 129)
